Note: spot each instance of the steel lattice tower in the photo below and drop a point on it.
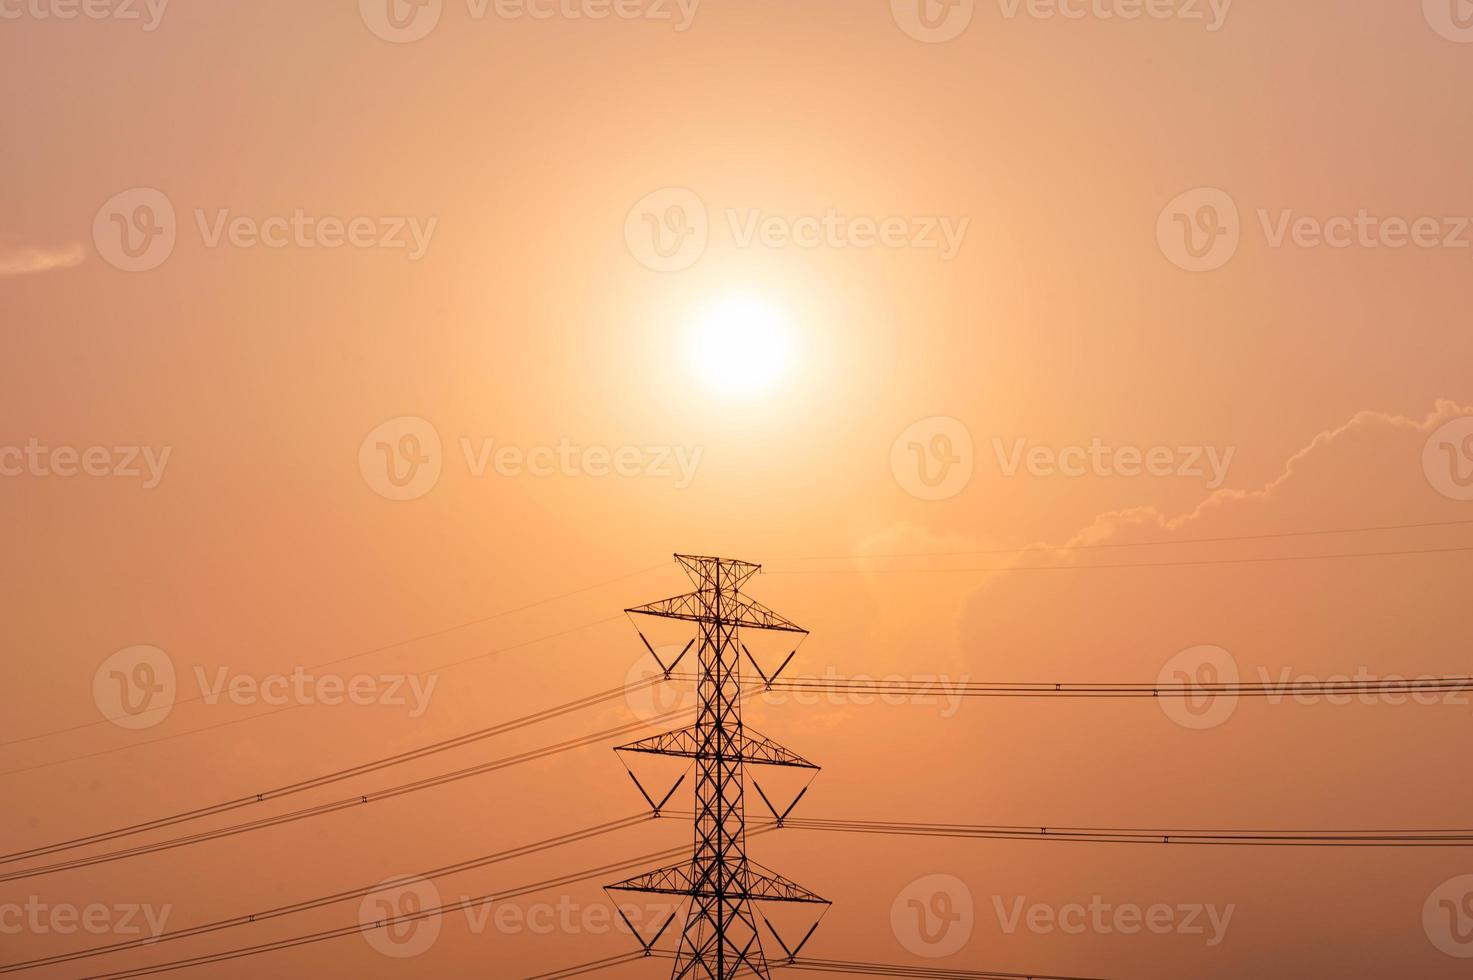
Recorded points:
(720, 938)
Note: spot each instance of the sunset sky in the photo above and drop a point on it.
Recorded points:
(401, 345)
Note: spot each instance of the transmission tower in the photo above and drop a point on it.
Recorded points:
(720, 938)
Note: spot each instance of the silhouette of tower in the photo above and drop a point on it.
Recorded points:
(720, 938)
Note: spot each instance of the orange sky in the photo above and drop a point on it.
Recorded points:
(980, 238)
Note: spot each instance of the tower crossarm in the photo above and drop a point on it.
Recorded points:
(751, 883)
(738, 610)
(752, 748)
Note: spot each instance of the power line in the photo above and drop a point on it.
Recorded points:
(1269, 536)
(358, 656)
(291, 707)
(762, 619)
(806, 964)
(809, 964)
(339, 805)
(1249, 690)
(1102, 835)
(524, 850)
(595, 966)
(898, 970)
(1002, 689)
(1120, 565)
(331, 777)
(325, 935)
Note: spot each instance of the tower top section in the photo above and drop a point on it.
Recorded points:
(718, 578)
(725, 573)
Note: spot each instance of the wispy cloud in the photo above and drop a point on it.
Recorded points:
(30, 259)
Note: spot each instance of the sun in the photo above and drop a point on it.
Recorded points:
(741, 345)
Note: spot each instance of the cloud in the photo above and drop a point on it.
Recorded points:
(1396, 612)
(34, 258)
(1126, 619)
(1393, 604)
(1366, 471)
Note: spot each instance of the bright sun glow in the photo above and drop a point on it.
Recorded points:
(741, 345)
